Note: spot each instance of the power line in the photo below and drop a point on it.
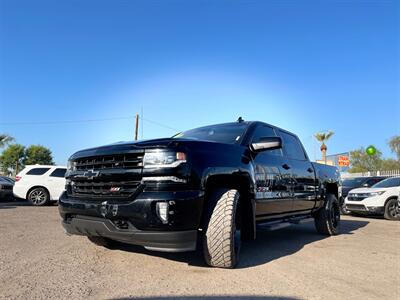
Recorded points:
(160, 124)
(65, 121)
(54, 122)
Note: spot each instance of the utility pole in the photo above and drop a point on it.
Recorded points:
(141, 116)
(137, 126)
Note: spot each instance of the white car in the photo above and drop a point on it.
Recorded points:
(40, 184)
(381, 198)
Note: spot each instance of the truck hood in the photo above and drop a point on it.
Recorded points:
(140, 146)
(367, 190)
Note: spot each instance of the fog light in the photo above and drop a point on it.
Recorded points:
(162, 211)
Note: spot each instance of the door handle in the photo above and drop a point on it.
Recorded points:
(310, 170)
(286, 166)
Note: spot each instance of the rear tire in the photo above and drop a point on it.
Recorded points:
(102, 241)
(391, 210)
(39, 196)
(327, 219)
(222, 239)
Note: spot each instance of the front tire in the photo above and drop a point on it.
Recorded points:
(222, 239)
(392, 210)
(327, 219)
(39, 197)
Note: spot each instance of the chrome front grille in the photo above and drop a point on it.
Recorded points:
(120, 161)
(357, 207)
(106, 176)
(100, 189)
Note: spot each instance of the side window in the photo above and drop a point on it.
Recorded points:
(292, 146)
(372, 181)
(60, 172)
(262, 132)
(37, 171)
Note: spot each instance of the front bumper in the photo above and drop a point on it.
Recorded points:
(370, 205)
(167, 241)
(135, 221)
(361, 208)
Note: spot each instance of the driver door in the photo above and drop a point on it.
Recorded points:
(273, 182)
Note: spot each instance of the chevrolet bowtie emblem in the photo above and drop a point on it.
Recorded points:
(90, 174)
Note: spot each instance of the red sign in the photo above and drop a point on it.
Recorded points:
(343, 161)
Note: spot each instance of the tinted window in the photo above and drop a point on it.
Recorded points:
(292, 146)
(58, 173)
(373, 181)
(354, 182)
(390, 182)
(222, 133)
(263, 132)
(37, 171)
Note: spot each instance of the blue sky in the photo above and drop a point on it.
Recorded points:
(305, 66)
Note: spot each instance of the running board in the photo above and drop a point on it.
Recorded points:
(273, 226)
(301, 220)
(279, 224)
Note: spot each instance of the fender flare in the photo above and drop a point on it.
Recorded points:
(231, 178)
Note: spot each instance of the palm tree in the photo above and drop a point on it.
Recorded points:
(5, 139)
(322, 137)
(394, 144)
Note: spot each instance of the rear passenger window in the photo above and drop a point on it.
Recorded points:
(292, 146)
(37, 171)
(58, 172)
(263, 132)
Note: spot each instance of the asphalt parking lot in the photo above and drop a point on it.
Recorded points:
(37, 260)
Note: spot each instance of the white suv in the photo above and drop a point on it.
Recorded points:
(40, 184)
(381, 198)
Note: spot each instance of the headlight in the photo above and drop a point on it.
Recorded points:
(71, 165)
(372, 194)
(163, 159)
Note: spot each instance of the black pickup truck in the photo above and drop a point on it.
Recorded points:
(207, 188)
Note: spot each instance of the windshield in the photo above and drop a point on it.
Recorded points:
(231, 133)
(390, 182)
(354, 182)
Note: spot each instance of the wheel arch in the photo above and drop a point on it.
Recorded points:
(240, 182)
(324, 190)
(332, 188)
(385, 213)
(390, 198)
(35, 187)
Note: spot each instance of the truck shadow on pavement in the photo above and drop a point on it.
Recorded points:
(226, 297)
(268, 246)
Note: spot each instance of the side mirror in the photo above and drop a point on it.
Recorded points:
(365, 185)
(267, 143)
